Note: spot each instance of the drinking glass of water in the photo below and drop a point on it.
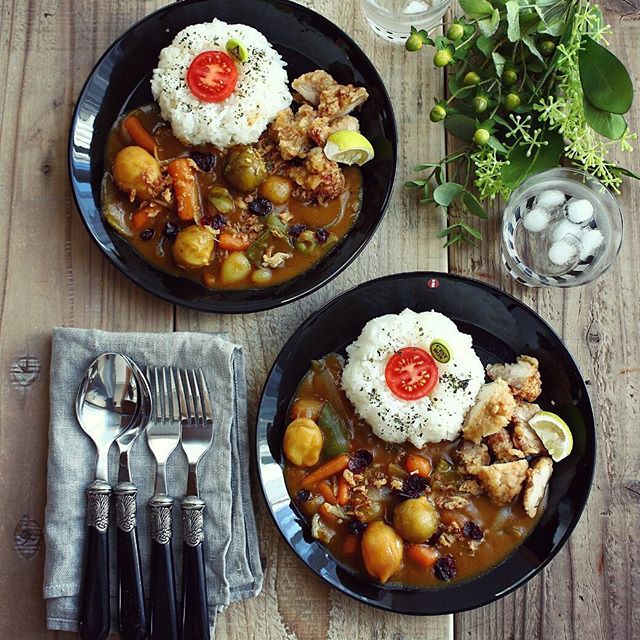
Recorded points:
(392, 19)
(560, 228)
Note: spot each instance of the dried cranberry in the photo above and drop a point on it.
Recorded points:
(472, 530)
(360, 460)
(445, 568)
(219, 221)
(356, 527)
(205, 161)
(147, 234)
(436, 536)
(413, 486)
(260, 207)
(322, 235)
(303, 495)
(171, 230)
(296, 229)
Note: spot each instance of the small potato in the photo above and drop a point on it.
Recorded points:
(303, 442)
(381, 550)
(277, 189)
(236, 267)
(137, 172)
(193, 247)
(416, 519)
(261, 277)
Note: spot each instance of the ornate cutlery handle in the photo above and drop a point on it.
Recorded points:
(164, 606)
(95, 614)
(132, 617)
(195, 614)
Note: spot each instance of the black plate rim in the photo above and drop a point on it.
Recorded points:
(224, 306)
(482, 601)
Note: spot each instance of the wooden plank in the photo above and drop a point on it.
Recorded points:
(295, 604)
(50, 272)
(591, 589)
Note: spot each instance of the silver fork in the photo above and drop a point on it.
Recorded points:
(163, 434)
(197, 433)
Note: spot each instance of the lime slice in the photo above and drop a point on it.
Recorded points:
(554, 433)
(348, 147)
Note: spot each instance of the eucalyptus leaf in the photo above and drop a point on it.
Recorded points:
(553, 28)
(452, 240)
(414, 184)
(498, 62)
(531, 45)
(605, 80)
(513, 20)
(446, 193)
(542, 158)
(448, 230)
(609, 125)
(472, 231)
(461, 126)
(627, 172)
(489, 25)
(476, 9)
(473, 204)
(486, 45)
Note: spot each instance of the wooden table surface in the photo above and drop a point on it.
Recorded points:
(52, 274)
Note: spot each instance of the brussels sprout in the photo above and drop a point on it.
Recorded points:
(193, 247)
(245, 168)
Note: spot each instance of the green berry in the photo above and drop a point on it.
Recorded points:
(481, 137)
(509, 77)
(480, 104)
(547, 47)
(442, 58)
(455, 32)
(470, 79)
(438, 113)
(413, 43)
(511, 101)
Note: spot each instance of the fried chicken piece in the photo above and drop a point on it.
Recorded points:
(523, 377)
(503, 481)
(538, 477)
(322, 128)
(311, 85)
(318, 176)
(291, 132)
(340, 100)
(492, 411)
(502, 447)
(471, 457)
(524, 437)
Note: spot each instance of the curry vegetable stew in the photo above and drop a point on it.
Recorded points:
(406, 464)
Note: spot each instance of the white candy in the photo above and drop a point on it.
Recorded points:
(562, 252)
(591, 239)
(580, 211)
(550, 199)
(536, 220)
(565, 228)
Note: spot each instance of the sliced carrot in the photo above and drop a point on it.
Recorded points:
(185, 186)
(350, 545)
(231, 242)
(328, 469)
(417, 463)
(422, 555)
(344, 492)
(326, 492)
(146, 216)
(326, 515)
(139, 134)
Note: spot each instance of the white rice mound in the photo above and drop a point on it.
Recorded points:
(435, 417)
(261, 92)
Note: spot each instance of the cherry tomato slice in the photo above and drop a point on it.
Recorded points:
(411, 373)
(212, 76)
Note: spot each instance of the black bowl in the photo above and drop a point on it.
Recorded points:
(502, 328)
(120, 81)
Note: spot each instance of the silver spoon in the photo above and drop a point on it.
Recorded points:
(107, 403)
(132, 619)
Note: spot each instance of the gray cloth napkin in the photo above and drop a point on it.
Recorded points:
(232, 560)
